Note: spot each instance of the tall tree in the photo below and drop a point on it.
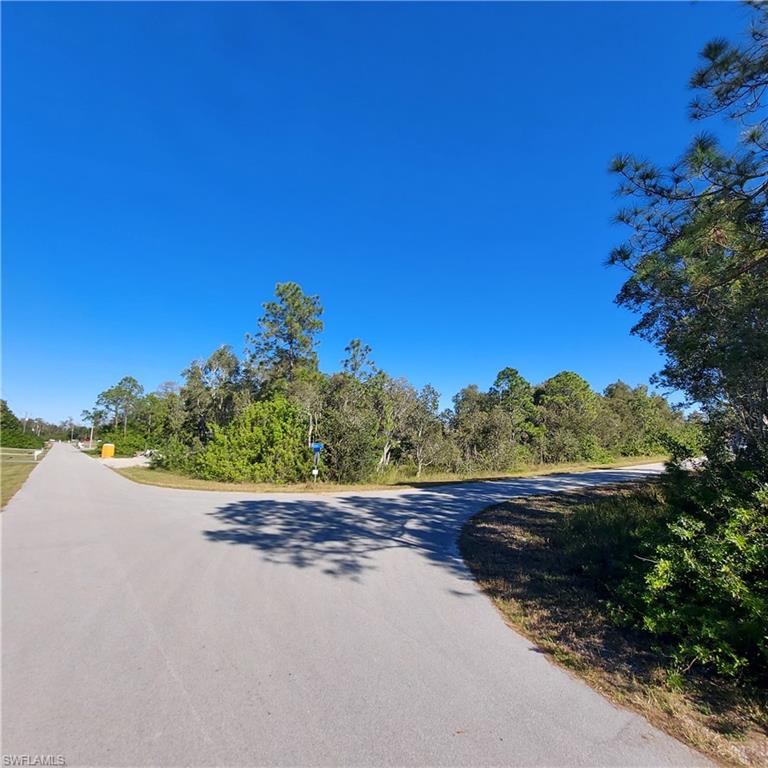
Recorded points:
(306, 392)
(568, 409)
(172, 414)
(514, 395)
(481, 430)
(349, 429)
(221, 377)
(109, 402)
(95, 417)
(424, 431)
(287, 334)
(698, 251)
(358, 362)
(129, 392)
(196, 400)
(121, 399)
(697, 258)
(394, 400)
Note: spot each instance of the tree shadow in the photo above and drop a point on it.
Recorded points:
(340, 535)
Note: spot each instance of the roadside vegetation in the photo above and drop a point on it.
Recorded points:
(16, 464)
(32, 432)
(17, 451)
(569, 571)
(659, 595)
(254, 419)
(13, 433)
(391, 479)
(697, 263)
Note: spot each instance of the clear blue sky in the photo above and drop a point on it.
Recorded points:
(435, 172)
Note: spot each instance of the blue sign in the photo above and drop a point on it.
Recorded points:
(317, 447)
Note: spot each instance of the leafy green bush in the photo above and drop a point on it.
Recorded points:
(686, 561)
(175, 455)
(128, 444)
(349, 430)
(707, 587)
(265, 443)
(12, 434)
(14, 439)
(685, 443)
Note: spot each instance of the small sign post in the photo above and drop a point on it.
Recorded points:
(316, 448)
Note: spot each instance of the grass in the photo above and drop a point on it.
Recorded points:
(15, 468)
(520, 554)
(166, 479)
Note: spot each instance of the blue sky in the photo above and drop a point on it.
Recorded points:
(435, 172)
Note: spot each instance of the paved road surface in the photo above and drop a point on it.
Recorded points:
(156, 627)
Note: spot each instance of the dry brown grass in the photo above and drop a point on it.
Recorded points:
(165, 479)
(513, 552)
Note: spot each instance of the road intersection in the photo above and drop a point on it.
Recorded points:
(146, 626)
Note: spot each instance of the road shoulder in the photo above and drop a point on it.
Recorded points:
(513, 551)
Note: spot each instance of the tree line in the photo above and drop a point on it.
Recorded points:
(254, 418)
(33, 432)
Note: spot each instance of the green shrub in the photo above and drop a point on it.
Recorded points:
(348, 428)
(175, 456)
(707, 587)
(686, 561)
(265, 443)
(685, 443)
(128, 444)
(591, 450)
(17, 439)
(12, 434)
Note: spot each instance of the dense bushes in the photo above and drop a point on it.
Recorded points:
(175, 455)
(372, 425)
(686, 561)
(14, 439)
(12, 433)
(349, 428)
(696, 259)
(265, 443)
(128, 444)
(707, 587)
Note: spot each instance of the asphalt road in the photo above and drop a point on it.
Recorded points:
(144, 626)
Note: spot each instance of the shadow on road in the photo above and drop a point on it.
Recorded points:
(340, 535)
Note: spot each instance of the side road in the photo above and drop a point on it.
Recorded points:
(146, 626)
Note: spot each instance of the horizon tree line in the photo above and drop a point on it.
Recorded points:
(275, 397)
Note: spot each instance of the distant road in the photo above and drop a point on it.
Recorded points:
(146, 626)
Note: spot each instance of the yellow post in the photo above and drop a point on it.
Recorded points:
(107, 450)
